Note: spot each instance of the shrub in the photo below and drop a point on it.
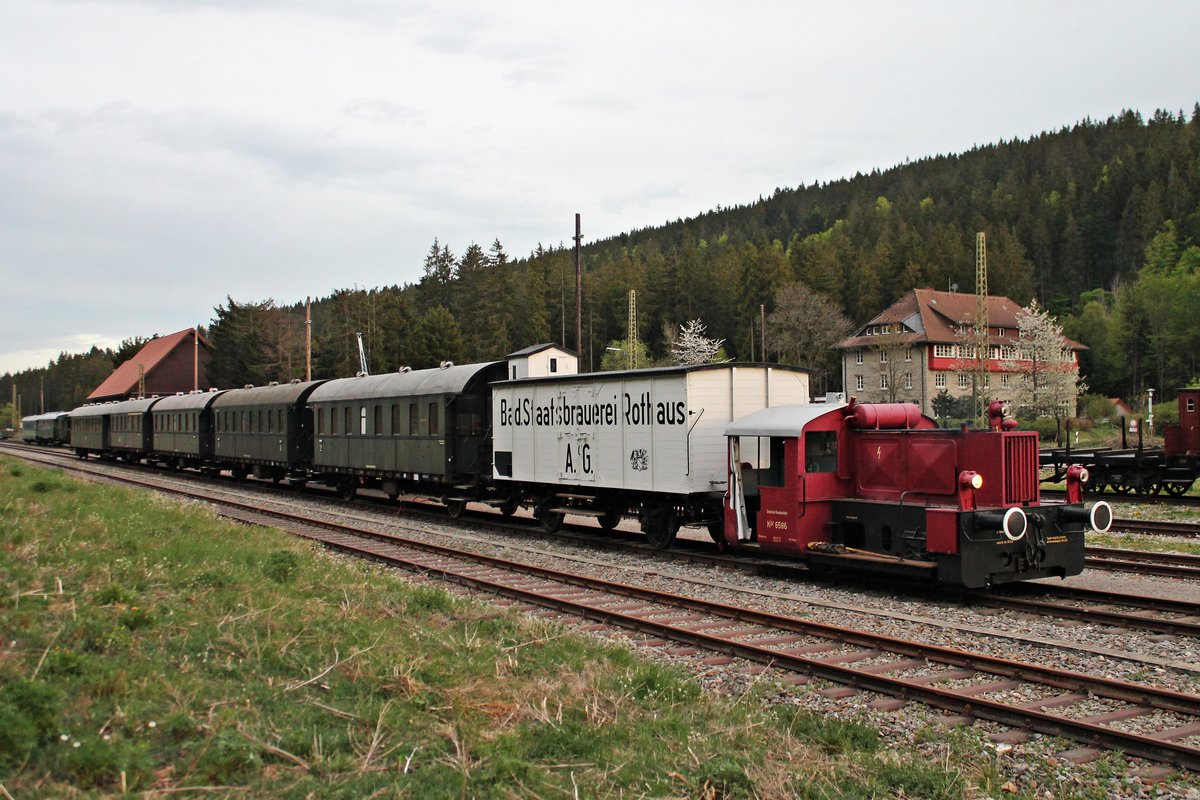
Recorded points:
(228, 758)
(281, 566)
(97, 762)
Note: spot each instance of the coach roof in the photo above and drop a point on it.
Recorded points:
(444, 380)
(270, 395)
(186, 402)
(141, 405)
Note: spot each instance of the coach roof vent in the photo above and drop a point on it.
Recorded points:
(404, 369)
(542, 361)
(446, 365)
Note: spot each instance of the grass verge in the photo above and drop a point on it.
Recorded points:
(152, 647)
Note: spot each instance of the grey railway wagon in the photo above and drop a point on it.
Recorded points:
(183, 426)
(264, 428)
(123, 427)
(422, 427)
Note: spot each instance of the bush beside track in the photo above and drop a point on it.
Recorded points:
(150, 646)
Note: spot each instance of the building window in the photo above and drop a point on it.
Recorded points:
(1004, 380)
(963, 380)
(883, 380)
(1191, 405)
(858, 357)
(883, 356)
(858, 383)
(554, 365)
(434, 423)
(908, 380)
(939, 380)
(943, 350)
(908, 354)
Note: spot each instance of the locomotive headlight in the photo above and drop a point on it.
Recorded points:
(1100, 517)
(970, 480)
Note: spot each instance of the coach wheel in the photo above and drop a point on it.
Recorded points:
(660, 527)
(610, 519)
(297, 483)
(510, 506)
(456, 508)
(393, 494)
(239, 473)
(347, 488)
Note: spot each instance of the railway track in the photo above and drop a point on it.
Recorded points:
(1043, 599)
(1141, 720)
(1165, 565)
(1190, 501)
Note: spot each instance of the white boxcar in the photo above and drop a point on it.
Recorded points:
(626, 438)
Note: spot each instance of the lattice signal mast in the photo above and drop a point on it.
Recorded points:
(982, 346)
(633, 337)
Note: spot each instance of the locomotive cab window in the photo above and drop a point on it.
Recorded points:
(820, 451)
(761, 462)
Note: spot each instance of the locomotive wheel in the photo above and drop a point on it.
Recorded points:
(1122, 488)
(456, 508)
(1176, 489)
(660, 527)
(610, 519)
(1148, 491)
(347, 489)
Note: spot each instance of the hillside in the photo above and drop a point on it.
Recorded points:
(1098, 221)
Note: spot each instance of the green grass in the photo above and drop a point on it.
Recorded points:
(150, 645)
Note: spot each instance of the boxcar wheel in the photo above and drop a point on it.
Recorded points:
(552, 521)
(660, 527)
(510, 506)
(610, 519)
(456, 508)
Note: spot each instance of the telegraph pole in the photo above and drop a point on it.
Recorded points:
(578, 288)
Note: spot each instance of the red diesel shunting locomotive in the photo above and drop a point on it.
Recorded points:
(881, 487)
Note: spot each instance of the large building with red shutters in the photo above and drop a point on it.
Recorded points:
(924, 344)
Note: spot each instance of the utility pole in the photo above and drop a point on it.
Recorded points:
(762, 328)
(42, 393)
(633, 336)
(308, 338)
(196, 359)
(578, 287)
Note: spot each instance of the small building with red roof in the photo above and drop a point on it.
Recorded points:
(924, 343)
(165, 365)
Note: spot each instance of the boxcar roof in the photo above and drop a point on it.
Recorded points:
(278, 394)
(654, 372)
(448, 380)
(124, 407)
(780, 420)
(186, 402)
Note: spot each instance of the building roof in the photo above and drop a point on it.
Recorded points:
(537, 348)
(930, 316)
(123, 382)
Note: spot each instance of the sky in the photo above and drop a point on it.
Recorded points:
(157, 156)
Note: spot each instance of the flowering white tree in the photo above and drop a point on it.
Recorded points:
(693, 347)
(1049, 384)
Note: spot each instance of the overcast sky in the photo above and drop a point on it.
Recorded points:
(158, 155)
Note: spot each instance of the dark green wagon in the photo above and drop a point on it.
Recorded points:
(183, 429)
(265, 430)
(121, 429)
(425, 431)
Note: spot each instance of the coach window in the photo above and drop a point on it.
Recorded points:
(333, 421)
(346, 419)
(820, 451)
(395, 430)
(245, 424)
(378, 421)
(270, 420)
(433, 418)
(414, 419)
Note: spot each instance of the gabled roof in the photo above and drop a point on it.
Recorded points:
(124, 379)
(537, 348)
(930, 316)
